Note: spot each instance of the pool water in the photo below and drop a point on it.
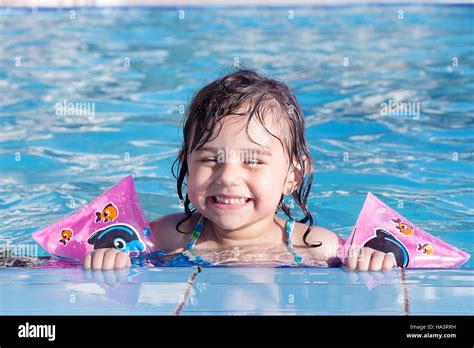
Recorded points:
(137, 68)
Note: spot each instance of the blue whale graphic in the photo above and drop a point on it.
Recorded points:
(121, 237)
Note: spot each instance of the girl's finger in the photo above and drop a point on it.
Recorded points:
(389, 262)
(87, 261)
(97, 256)
(376, 261)
(108, 262)
(364, 259)
(121, 260)
(351, 261)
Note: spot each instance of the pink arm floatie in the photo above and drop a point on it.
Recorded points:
(382, 228)
(113, 220)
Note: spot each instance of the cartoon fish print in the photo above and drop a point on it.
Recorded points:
(425, 248)
(404, 228)
(109, 213)
(66, 235)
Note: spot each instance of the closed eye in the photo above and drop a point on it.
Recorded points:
(253, 162)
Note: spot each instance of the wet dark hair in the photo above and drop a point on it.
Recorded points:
(230, 94)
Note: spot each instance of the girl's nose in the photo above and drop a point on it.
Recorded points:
(229, 174)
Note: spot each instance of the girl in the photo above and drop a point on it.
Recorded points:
(244, 150)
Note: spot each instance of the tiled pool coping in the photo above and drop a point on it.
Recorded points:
(230, 291)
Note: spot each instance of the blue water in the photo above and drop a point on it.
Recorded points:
(141, 66)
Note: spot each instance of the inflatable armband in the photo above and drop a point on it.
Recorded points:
(113, 220)
(382, 228)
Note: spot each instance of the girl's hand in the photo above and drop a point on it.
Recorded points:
(368, 259)
(106, 259)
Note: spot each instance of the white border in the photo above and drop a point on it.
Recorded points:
(131, 3)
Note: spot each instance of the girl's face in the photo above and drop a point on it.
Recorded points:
(234, 182)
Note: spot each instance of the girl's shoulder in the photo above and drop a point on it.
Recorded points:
(330, 241)
(167, 237)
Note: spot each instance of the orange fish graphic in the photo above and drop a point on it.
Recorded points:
(109, 213)
(404, 228)
(425, 248)
(66, 235)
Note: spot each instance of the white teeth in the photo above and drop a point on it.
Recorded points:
(230, 200)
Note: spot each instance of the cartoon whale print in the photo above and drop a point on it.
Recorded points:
(387, 243)
(120, 236)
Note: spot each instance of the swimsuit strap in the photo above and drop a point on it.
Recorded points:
(196, 259)
(289, 229)
(196, 233)
(198, 229)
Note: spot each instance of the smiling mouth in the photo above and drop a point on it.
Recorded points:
(230, 200)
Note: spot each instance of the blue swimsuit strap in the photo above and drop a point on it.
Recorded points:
(289, 229)
(192, 242)
(196, 233)
(198, 230)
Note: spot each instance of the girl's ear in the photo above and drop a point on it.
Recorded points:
(295, 176)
